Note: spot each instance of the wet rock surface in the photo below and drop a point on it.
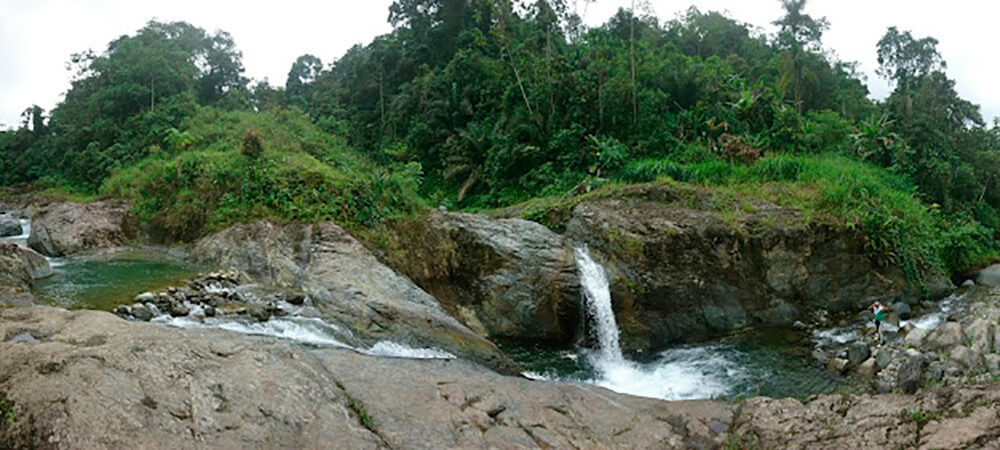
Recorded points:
(92, 380)
(501, 277)
(347, 284)
(682, 273)
(86, 379)
(10, 226)
(19, 267)
(67, 228)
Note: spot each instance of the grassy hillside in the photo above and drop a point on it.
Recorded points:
(228, 167)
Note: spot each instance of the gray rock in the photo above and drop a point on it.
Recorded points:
(867, 368)
(141, 312)
(15, 276)
(935, 372)
(178, 309)
(992, 361)
(966, 357)
(120, 384)
(296, 298)
(902, 310)
(259, 312)
(915, 337)
(882, 359)
(989, 276)
(145, 297)
(968, 284)
(857, 353)
(882, 386)
(209, 311)
(910, 373)
(10, 226)
(838, 365)
(945, 336)
(980, 334)
(67, 228)
(347, 284)
(123, 311)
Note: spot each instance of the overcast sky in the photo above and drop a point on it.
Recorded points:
(37, 36)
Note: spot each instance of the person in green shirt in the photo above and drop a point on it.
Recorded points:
(878, 310)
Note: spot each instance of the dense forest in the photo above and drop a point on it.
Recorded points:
(481, 104)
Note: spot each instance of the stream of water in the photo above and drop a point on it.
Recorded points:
(769, 363)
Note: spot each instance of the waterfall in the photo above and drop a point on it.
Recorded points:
(598, 298)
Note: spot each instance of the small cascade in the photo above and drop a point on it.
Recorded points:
(598, 299)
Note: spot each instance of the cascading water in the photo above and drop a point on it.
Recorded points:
(598, 300)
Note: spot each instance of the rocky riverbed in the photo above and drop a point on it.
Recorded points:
(84, 379)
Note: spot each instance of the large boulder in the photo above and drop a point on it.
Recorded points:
(18, 269)
(501, 277)
(86, 379)
(857, 353)
(347, 283)
(989, 276)
(67, 228)
(693, 272)
(10, 226)
(910, 374)
(944, 337)
(980, 334)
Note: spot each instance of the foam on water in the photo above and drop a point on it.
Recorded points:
(932, 320)
(686, 373)
(306, 330)
(391, 349)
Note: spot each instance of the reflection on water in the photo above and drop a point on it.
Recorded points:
(104, 282)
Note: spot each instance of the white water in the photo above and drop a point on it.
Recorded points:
(684, 373)
(306, 330)
(932, 320)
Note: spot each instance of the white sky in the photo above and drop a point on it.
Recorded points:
(37, 36)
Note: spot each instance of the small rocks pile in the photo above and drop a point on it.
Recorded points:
(963, 349)
(214, 294)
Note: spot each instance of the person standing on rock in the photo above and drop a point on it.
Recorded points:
(878, 310)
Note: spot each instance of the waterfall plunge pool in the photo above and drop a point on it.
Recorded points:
(769, 362)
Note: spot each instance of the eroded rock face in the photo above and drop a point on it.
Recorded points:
(119, 384)
(501, 277)
(68, 228)
(683, 272)
(19, 267)
(86, 379)
(347, 284)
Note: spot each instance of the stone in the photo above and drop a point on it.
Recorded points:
(141, 312)
(867, 368)
(935, 372)
(945, 336)
(882, 359)
(882, 386)
(910, 374)
(10, 226)
(511, 277)
(968, 284)
(838, 365)
(15, 276)
(296, 298)
(966, 357)
(67, 228)
(992, 361)
(145, 297)
(857, 353)
(209, 311)
(123, 311)
(347, 284)
(980, 334)
(259, 312)
(902, 310)
(989, 276)
(915, 337)
(178, 309)
(121, 384)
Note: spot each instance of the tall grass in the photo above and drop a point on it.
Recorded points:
(302, 174)
(898, 228)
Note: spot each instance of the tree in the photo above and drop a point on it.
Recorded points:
(799, 33)
(299, 85)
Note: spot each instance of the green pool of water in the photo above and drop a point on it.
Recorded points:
(102, 282)
(769, 363)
